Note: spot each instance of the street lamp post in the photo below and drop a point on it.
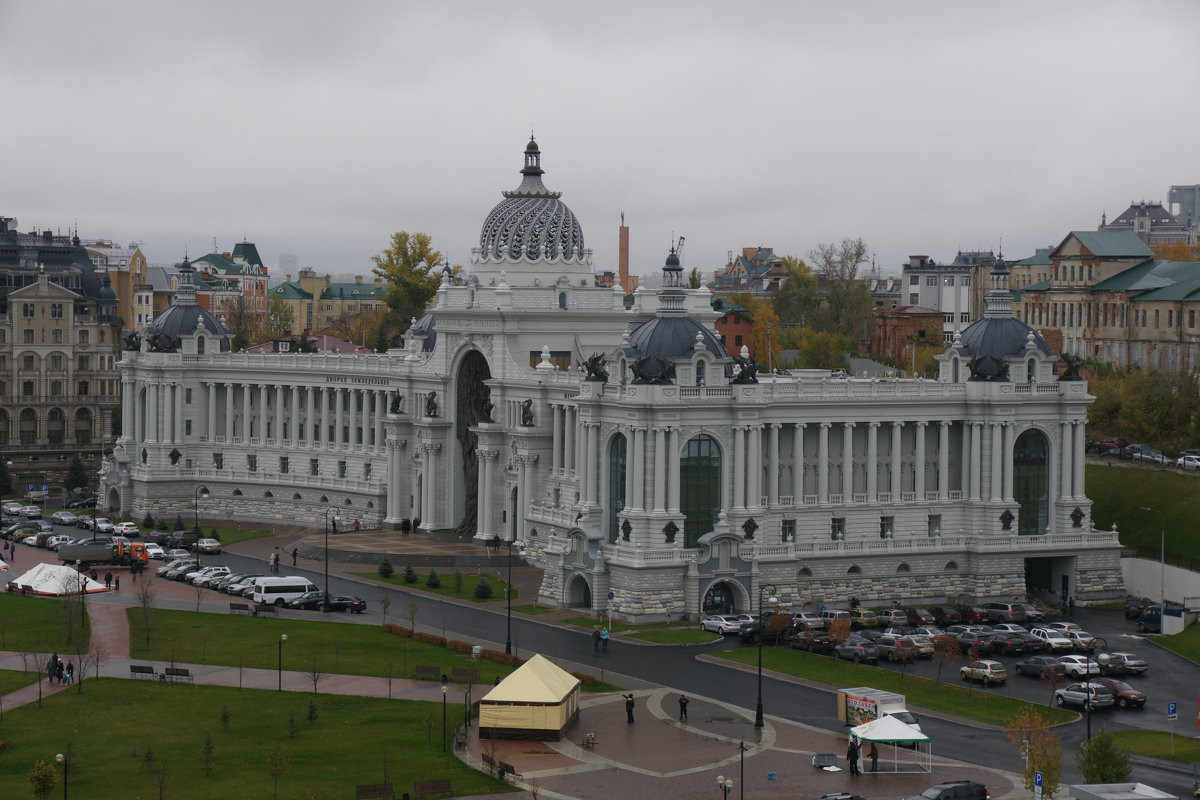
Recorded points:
(1162, 554)
(742, 770)
(79, 576)
(508, 593)
(444, 687)
(725, 785)
(201, 494)
(325, 602)
(1087, 706)
(769, 590)
(467, 707)
(282, 639)
(65, 760)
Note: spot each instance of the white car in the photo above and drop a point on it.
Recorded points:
(724, 623)
(55, 542)
(1009, 627)
(1083, 641)
(31, 512)
(1079, 666)
(1054, 639)
(1188, 462)
(102, 525)
(207, 546)
(126, 529)
(63, 517)
(1065, 626)
(154, 551)
(207, 574)
(175, 553)
(11, 508)
(30, 540)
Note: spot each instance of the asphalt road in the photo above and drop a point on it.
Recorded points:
(1169, 677)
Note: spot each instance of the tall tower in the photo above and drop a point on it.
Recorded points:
(623, 256)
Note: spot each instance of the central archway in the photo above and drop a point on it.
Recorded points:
(579, 593)
(470, 393)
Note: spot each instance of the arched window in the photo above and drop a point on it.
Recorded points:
(854, 570)
(618, 450)
(200, 345)
(1030, 371)
(804, 572)
(268, 493)
(56, 426)
(84, 336)
(28, 426)
(699, 487)
(3, 426)
(951, 566)
(700, 367)
(297, 496)
(1031, 481)
(904, 567)
(562, 300)
(237, 492)
(83, 426)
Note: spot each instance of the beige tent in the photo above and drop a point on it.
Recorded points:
(537, 701)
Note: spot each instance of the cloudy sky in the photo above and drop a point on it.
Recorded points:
(320, 128)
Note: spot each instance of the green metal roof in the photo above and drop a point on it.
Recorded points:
(1170, 280)
(290, 291)
(353, 291)
(219, 263)
(1039, 286)
(1125, 280)
(248, 252)
(1041, 258)
(1112, 244)
(726, 307)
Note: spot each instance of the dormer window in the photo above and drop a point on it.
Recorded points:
(700, 368)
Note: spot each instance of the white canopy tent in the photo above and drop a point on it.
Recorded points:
(54, 579)
(887, 730)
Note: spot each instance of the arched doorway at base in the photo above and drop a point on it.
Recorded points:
(114, 500)
(721, 598)
(579, 593)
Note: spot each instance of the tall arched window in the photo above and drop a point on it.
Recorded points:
(617, 462)
(1031, 481)
(699, 373)
(699, 487)
(3, 427)
(83, 426)
(28, 426)
(200, 345)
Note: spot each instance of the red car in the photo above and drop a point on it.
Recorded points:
(974, 614)
(1126, 695)
(1108, 443)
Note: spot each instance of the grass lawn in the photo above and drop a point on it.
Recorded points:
(124, 737)
(675, 636)
(1158, 744)
(984, 705)
(39, 625)
(1186, 643)
(1118, 493)
(448, 588)
(11, 679)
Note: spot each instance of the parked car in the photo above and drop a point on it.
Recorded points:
(1108, 443)
(985, 671)
(1078, 694)
(1009, 627)
(954, 790)
(11, 508)
(974, 614)
(976, 641)
(1121, 664)
(102, 525)
(58, 540)
(176, 552)
(1151, 456)
(1005, 643)
(924, 644)
(928, 630)
(775, 630)
(241, 585)
(1039, 666)
(207, 546)
(945, 615)
(897, 648)
(1135, 606)
(1054, 640)
(863, 618)
(919, 616)
(831, 615)
(63, 518)
(812, 641)
(31, 512)
(857, 649)
(723, 623)
(1005, 612)
(207, 575)
(1082, 641)
(85, 521)
(180, 572)
(1188, 462)
(1126, 696)
(1032, 613)
(126, 529)
(805, 620)
(1064, 626)
(315, 601)
(887, 617)
(154, 551)
(82, 502)
(1079, 666)
(172, 564)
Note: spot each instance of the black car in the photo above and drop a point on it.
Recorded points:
(945, 615)
(954, 790)
(1039, 666)
(1135, 606)
(314, 601)
(813, 642)
(1009, 644)
(86, 502)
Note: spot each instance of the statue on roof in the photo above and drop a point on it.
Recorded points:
(132, 341)
(1072, 365)
(594, 366)
(747, 370)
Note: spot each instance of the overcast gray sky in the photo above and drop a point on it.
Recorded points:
(320, 128)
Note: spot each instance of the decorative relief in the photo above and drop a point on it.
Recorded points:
(1006, 520)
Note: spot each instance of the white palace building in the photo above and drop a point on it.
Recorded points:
(623, 446)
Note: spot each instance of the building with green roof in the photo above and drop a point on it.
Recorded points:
(317, 302)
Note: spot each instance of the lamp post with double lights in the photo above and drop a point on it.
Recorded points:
(201, 494)
(282, 640)
(768, 590)
(325, 602)
(1162, 554)
(725, 785)
(65, 760)
(444, 745)
(520, 544)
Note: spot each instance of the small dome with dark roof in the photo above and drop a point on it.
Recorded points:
(426, 326)
(999, 338)
(185, 318)
(661, 340)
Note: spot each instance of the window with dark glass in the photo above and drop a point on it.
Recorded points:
(699, 487)
(1031, 481)
(617, 463)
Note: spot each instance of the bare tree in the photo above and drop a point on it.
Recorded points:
(385, 602)
(32, 663)
(946, 650)
(413, 608)
(388, 675)
(145, 598)
(315, 675)
(199, 597)
(277, 764)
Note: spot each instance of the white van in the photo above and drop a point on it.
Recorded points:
(277, 591)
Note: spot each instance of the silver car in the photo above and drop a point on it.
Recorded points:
(1077, 694)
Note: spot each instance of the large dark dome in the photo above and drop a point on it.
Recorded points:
(666, 338)
(999, 338)
(186, 317)
(531, 223)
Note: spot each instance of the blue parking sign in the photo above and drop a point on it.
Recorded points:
(1172, 711)
(1038, 779)
(29, 487)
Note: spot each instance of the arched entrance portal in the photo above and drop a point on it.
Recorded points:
(470, 394)
(579, 593)
(720, 599)
(114, 500)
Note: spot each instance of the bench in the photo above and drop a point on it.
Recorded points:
(468, 674)
(508, 770)
(143, 671)
(178, 674)
(263, 608)
(374, 790)
(235, 608)
(424, 789)
(426, 671)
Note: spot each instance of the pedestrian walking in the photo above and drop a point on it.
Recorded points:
(852, 756)
(108, 580)
(59, 670)
(629, 709)
(69, 674)
(273, 563)
(874, 756)
(604, 639)
(595, 640)
(405, 526)
(683, 704)
(416, 524)
(294, 551)
(52, 667)
(1071, 606)
(117, 582)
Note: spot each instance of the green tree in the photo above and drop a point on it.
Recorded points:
(846, 306)
(42, 779)
(433, 581)
(385, 569)
(76, 475)
(797, 299)
(694, 279)
(6, 482)
(483, 589)
(1028, 732)
(411, 268)
(1102, 760)
(280, 317)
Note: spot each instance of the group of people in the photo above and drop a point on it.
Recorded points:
(10, 550)
(854, 754)
(273, 563)
(599, 640)
(64, 674)
(409, 525)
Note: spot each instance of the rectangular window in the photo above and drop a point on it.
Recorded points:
(57, 362)
(948, 318)
(964, 317)
(914, 280)
(218, 461)
(935, 524)
(837, 528)
(1192, 318)
(85, 363)
(789, 530)
(83, 388)
(27, 388)
(56, 336)
(914, 299)
(56, 388)
(948, 280)
(965, 280)
(314, 466)
(737, 341)
(27, 310)
(27, 362)
(187, 396)
(56, 310)
(931, 280)
(367, 472)
(3, 391)
(252, 463)
(27, 336)
(341, 473)
(283, 464)
(187, 427)
(887, 527)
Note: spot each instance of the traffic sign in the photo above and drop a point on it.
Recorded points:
(29, 487)
(1172, 712)
(45, 488)
(611, 596)
(1038, 779)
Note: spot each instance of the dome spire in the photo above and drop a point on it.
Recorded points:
(185, 290)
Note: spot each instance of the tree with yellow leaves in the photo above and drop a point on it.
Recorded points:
(1041, 749)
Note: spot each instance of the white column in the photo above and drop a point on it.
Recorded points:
(897, 477)
(1066, 449)
(592, 463)
(581, 461)
(872, 461)
(229, 392)
(210, 411)
(798, 464)
(1080, 449)
(739, 469)
(264, 396)
(381, 410)
(525, 489)
(944, 460)
(571, 431)
(997, 463)
(660, 470)
(847, 462)
(294, 417)
(128, 393)
(919, 463)
(483, 515)
(247, 411)
(152, 412)
(823, 464)
(310, 417)
(339, 419)
(773, 466)
(179, 393)
(639, 468)
(556, 441)
(673, 471)
(355, 417)
(279, 429)
(168, 413)
(754, 466)
(976, 429)
(1007, 457)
